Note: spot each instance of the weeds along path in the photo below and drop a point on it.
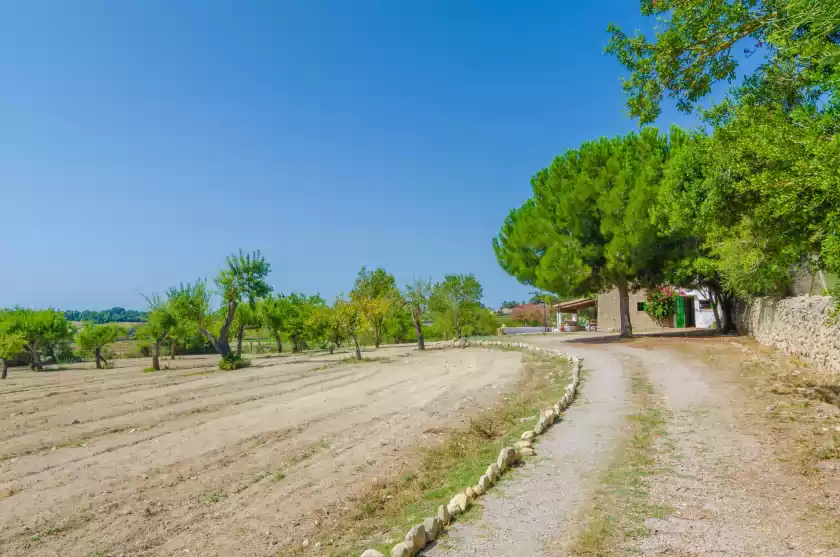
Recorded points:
(218, 463)
(531, 508)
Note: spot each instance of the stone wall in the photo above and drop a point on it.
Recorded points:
(795, 325)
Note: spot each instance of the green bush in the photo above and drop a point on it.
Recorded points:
(661, 304)
(149, 370)
(232, 362)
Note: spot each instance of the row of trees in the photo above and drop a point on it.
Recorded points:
(375, 308)
(45, 334)
(113, 315)
(733, 209)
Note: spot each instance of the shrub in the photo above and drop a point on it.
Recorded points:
(149, 370)
(232, 362)
(661, 304)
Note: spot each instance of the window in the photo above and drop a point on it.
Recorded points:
(705, 304)
(640, 306)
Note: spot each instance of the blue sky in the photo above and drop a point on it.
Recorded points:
(141, 142)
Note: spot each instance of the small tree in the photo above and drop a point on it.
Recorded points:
(93, 338)
(38, 328)
(11, 343)
(246, 318)
(273, 312)
(159, 325)
(242, 279)
(458, 298)
(416, 296)
(351, 319)
(376, 291)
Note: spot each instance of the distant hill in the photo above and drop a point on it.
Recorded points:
(113, 315)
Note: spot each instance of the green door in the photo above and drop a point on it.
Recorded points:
(680, 318)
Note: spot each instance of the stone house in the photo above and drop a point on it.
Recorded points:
(694, 310)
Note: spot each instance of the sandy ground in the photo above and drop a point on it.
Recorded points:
(724, 471)
(193, 460)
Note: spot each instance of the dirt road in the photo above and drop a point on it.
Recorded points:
(725, 478)
(118, 462)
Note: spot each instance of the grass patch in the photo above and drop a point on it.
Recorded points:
(215, 497)
(232, 362)
(620, 505)
(149, 370)
(391, 507)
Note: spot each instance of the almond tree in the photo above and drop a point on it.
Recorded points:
(160, 324)
(11, 343)
(416, 296)
(93, 338)
(243, 279)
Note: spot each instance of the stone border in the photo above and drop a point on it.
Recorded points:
(421, 534)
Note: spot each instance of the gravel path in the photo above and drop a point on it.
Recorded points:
(533, 507)
(729, 494)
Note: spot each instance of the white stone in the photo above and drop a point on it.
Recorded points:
(527, 451)
(443, 515)
(372, 553)
(453, 509)
(539, 428)
(478, 490)
(525, 443)
(462, 500)
(527, 435)
(484, 482)
(415, 539)
(401, 550)
(432, 527)
(493, 472)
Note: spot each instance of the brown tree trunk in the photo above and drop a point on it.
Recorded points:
(624, 310)
(279, 344)
(239, 334)
(98, 355)
(358, 349)
(726, 307)
(36, 363)
(295, 344)
(156, 355)
(418, 328)
(5, 364)
(332, 348)
(172, 348)
(714, 297)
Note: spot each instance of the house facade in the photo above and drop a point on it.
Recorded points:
(694, 310)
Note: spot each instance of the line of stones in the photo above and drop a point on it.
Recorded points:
(420, 535)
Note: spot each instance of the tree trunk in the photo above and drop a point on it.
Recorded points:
(332, 348)
(377, 334)
(624, 310)
(418, 328)
(726, 307)
(714, 299)
(239, 334)
(36, 363)
(358, 349)
(279, 344)
(222, 344)
(98, 355)
(156, 355)
(172, 348)
(295, 345)
(5, 365)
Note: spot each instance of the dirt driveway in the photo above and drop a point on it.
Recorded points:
(118, 462)
(745, 463)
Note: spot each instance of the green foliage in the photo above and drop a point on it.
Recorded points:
(232, 362)
(113, 315)
(244, 277)
(661, 304)
(375, 291)
(398, 323)
(92, 337)
(457, 301)
(588, 225)
(695, 46)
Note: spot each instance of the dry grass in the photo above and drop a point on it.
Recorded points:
(381, 516)
(620, 505)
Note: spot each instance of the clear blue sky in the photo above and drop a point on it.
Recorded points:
(141, 142)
